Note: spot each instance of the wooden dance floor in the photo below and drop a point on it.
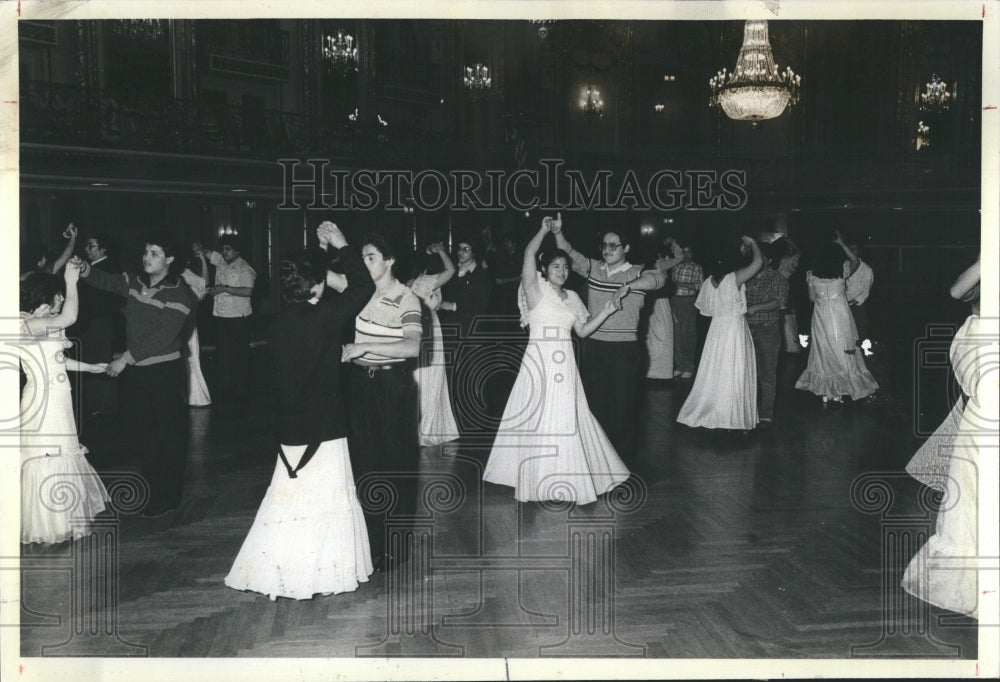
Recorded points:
(782, 544)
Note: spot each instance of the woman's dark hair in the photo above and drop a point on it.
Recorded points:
(828, 262)
(38, 288)
(300, 272)
(776, 251)
(728, 258)
(545, 258)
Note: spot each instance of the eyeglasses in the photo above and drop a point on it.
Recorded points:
(465, 248)
(610, 245)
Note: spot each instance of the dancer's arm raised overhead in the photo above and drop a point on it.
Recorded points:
(744, 274)
(449, 266)
(529, 269)
(40, 326)
(577, 261)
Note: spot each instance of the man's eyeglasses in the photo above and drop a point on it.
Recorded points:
(610, 246)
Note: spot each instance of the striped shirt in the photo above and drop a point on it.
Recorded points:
(383, 320)
(602, 283)
(154, 315)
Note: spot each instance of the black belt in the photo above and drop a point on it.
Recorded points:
(372, 369)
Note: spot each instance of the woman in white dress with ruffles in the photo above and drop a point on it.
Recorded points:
(549, 446)
(724, 394)
(944, 572)
(60, 491)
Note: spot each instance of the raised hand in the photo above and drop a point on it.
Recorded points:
(555, 227)
(70, 231)
(333, 235)
(197, 249)
(71, 273)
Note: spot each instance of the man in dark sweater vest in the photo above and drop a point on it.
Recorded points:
(153, 374)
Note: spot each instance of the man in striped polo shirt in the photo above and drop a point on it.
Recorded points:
(612, 356)
(384, 409)
(153, 374)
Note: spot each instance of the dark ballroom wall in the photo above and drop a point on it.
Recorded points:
(125, 135)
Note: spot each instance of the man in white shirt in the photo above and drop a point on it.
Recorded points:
(859, 277)
(234, 279)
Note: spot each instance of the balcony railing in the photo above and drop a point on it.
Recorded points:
(68, 115)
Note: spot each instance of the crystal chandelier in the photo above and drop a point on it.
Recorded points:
(139, 29)
(755, 90)
(340, 52)
(592, 104)
(935, 97)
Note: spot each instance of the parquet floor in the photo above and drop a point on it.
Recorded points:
(730, 546)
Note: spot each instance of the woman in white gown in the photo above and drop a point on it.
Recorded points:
(660, 334)
(836, 365)
(437, 421)
(724, 394)
(309, 535)
(60, 491)
(198, 395)
(549, 446)
(944, 570)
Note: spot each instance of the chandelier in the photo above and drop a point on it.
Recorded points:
(592, 104)
(755, 90)
(935, 97)
(477, 80)
(340, 52)
(139, 29)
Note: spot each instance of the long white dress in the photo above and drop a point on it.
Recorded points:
(198, 395)
(660, 340)
(60, 491)
(549, 446)
(944, 571)
(296, 546)
(836, 365)
(724, 395)
(437, 421)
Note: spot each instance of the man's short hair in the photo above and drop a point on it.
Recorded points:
(105, 241)
(231, 241)
(381, 244)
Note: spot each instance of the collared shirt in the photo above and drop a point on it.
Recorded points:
(465, 269)
(767, 285)
(859, 285)
(384, 319)
(235, 274)
(155, 315)
(687, 277)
